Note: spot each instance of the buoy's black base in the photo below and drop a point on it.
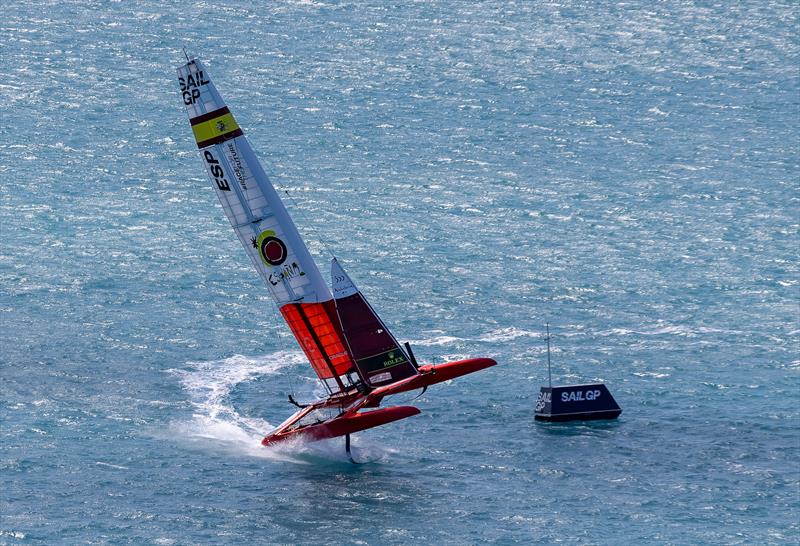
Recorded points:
(578, 416)
(576, 403)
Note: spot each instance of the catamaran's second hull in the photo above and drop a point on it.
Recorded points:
(340, 426)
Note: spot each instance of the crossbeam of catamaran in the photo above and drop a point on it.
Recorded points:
(351, 350)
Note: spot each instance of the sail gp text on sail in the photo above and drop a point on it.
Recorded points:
(190, 87)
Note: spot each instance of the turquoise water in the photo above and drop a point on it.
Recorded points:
(628, 173)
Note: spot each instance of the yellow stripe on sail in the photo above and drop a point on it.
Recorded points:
(213, 128)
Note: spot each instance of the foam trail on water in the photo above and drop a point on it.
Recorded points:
(216, 424)
(331, 451)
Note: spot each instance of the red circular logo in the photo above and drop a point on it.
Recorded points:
(273, 251)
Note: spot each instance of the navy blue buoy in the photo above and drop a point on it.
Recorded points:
(574, 402)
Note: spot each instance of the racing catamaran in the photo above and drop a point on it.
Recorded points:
(351, 350)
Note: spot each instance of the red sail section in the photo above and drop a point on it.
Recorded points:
(316, 327)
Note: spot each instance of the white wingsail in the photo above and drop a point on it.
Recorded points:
(266, 230)
(250, 201)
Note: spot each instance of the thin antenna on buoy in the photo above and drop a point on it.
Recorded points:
(185, 54)
(547, 338)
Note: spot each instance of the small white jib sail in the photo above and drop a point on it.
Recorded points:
(278, 253)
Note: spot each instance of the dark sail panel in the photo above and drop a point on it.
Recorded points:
(375, 351)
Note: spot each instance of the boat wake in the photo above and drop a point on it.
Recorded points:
(215, 423)
(330, 451)
(217, 426)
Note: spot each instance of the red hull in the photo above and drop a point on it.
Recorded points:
(350, 420)
(430, 375)
(344, 425)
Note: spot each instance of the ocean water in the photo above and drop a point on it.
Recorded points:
(627, 172)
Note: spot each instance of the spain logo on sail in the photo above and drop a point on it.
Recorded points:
(271, 249)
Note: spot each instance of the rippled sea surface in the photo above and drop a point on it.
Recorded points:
(626, 172)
